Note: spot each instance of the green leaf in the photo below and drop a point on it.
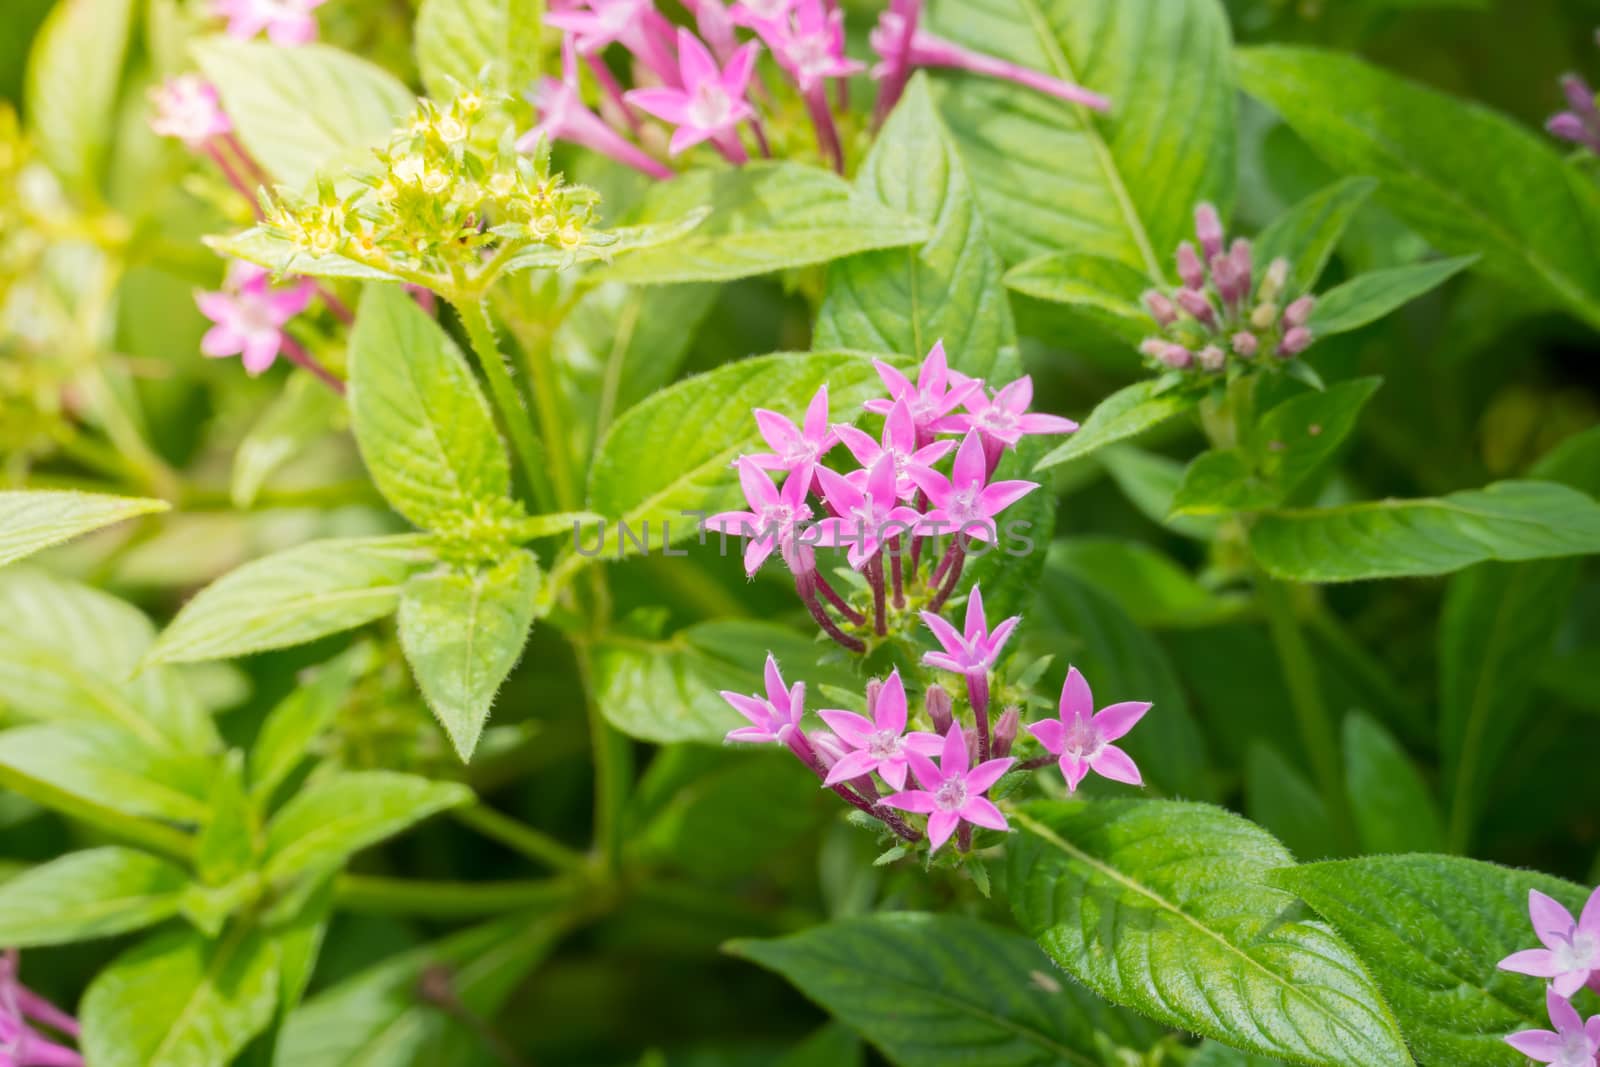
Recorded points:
(1150, 482)
(1129, 411)
(303, 111)
(1279, 453)
(765, 217)
(179, 1000)
(1161, 906)
(74, 74)
(79, 768)
(300, 718)
(949, 289)
(1108, 291)
(1414, 538)
(1370, 297)
(1428, 149)
(1056, 176)
(260, 246)
(1307, 234)
(1394, 809)
(425, 430)
(31, 521)
(934, 990)
(100, 892)
(1154, 589)
(1433, 929)
(462, 632)
(462, 43)
(292, 597)
(346, 812)
(669, 458)
(228, 842)
(666, 691)
(379, 1019)
(301, 413)
(1283, 801)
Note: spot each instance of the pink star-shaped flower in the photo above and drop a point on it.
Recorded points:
(21, 1044)
(1572, 949)
(951, 794)
(287, 22)
(774, 520)
(564, 117)
(592, 25)
(881, 743)
(249, 315)
(1573, 1043)
(772, 719)
(966, 502)
(711, 104)
(867, 516)
(1082, 737)
(808, 43)
(972, 652)
(938, 391)
(795, 447)
(187, 107)
(1005, 418)
(899, 445)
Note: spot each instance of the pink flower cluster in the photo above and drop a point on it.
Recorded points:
(891, 510)
(1222, 309)
(287, 23)
(22, 1014)
(1570, 959)
(700, 85)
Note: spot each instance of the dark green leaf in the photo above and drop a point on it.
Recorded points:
(1370, 297)
(1125, 413)
(1394, 809)
(1307, 233)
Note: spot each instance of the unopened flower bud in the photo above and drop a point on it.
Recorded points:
(874, 687)
(1298, 313)
(938, 704)
(1264, 316)
(1245, 344)
(1243, 263)
(1161, 307)
(1208, 227)
(1580, 98)
(1175, 356)
(434, 182)
(1211, 358)
(1005, 732)
(1225, 273)
(1190, 268)
(1276, 278)
(451, 130)
(1294, 342)
(1196, 304)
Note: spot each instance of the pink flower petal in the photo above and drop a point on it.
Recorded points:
(854, 765)
(780, 433)
(922, 743)
(941, 824)
(998, 496)
(986, 774)
(977, 626)
(1538, 962)
(817, 416)
(971, 467)
(749, 735)
(758, 488)
(893, 380)
(856, 730)
(221, 341)
(1017, 396)
(1550, 919)
(1051, 733)
(694, 60)
(1077, 701)
(668, 105)
(1541, 1045)
(1567, 984)
(1589, 920)
(980, 811)
(1046, 424)
(997, 639)
(893, 771)
(685, 138)
(1073, 769)
(890, 713)
(260, 350)
(948, 636)
(844, 497)
(928, 775)
(881, 480)
(1562, 1013)
(1113, 763)
(917, 801)
(953, 756)
(1115, 721)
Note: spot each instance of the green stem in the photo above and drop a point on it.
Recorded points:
(544, 385)
(520, 837)
(519, 427)
(613, 767)
(448, 900)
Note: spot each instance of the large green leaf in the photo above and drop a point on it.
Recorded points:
(1523, 216)
(291, 597)
(31, 521)
(1394, 809)
(462, 43)
(295, 723)
(1307, 234)
(669, 458)
(945, 990)
(425, 430)
(303, 111)
(82, 767)
(1055, 176)
(462, 632)
(1106, 291)
(1161, 906)
(949, 289)
(1432, 929)
(1152, 588)
(1126, 413)
(1506, 521)
(765, 217)
(99, 892)
(666, 691)
(74, 73)
(346, 812)
(179, 1000)
(1369, 297)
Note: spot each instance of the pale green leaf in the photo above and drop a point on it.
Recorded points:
(1107, 291)
(99, 892)
(1150, 482)
(227, 844)
(260, 246)
(31, 521)
(1129, 411)
(73, 77)
(292, 727)
(492, 44)
(79, 768)
(1369, 297)
(344, 813)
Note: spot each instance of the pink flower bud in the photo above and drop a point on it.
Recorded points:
(1294, 342)
(1225, 273)
(1299, 312)
(938, 704)
(1161, 307)
(1208, 227)
(1580, 98)
(1211, 358)
(874, 687)
(1190, 268)
(1174, 355)
(1245, 343)
(1570, 127)
(1243, 263)
(1005, 732)
(1197, 306)
(1276, 278)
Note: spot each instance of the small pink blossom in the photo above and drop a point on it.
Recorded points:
(1003, 419)
(22, 1011)
(950, 793)
(1571, 955)
(187, 107)
(867, 515)
(881, 743)
(711, 104)
(774, 521)
(966, 502)
(1573, 1043)
(775, 718)
(1082, 737)
(808, 43)
(795, 447)
(249, 314)
(591, 25)
(937, 393)
(564, 117)
(974, 651)
(899, 443)
(287, 22)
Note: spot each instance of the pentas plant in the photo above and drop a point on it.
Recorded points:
(1580, 122)
(1570, 959)
(33, 1031)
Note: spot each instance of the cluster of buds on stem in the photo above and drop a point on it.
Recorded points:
(24, 1016)
(1569, 960)
(705, 85)
(1225, 313)
(1580, 122)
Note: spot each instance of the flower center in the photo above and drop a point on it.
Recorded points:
(951, 795)
(710, 107)
(996, 419)
(1576, 1051)
(1082, 739)
(1581, 952)
(885, 744)
(255, 317)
